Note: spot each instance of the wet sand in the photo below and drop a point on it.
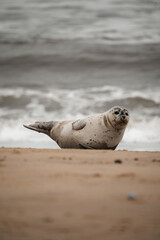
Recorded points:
(79, 194)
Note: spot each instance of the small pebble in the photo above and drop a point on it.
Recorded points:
(47, 219)
(155, 160)
(131, 196)
(97, 175)
(118, 161)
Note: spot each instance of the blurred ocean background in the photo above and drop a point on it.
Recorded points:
(65, 59)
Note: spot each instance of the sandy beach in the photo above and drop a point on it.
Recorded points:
(79, 194)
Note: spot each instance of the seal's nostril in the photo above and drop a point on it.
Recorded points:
(123, 117)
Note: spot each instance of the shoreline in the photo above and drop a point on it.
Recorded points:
(49, 144)
(74, 194)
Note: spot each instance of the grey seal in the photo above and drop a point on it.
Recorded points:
(99, 131)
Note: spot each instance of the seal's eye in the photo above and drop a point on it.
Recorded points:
(116, 112)
(126, 114)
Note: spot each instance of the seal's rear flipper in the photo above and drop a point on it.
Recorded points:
(41, 127)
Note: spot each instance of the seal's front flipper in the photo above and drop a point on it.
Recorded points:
(41, 127)
(79, 124)
(83, 146)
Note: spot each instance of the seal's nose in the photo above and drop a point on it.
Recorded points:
(123, 117)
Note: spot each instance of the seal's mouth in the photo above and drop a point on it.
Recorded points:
(122, 119)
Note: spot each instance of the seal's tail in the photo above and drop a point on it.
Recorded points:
(41, 127)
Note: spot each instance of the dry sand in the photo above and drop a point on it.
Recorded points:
(79, 194)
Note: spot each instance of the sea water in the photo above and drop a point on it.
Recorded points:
(64, 60)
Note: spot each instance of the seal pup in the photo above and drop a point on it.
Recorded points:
(100, 131)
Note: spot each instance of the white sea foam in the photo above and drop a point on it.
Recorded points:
(146, 130)
(97, 94)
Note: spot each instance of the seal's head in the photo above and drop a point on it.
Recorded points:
(118, 117)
